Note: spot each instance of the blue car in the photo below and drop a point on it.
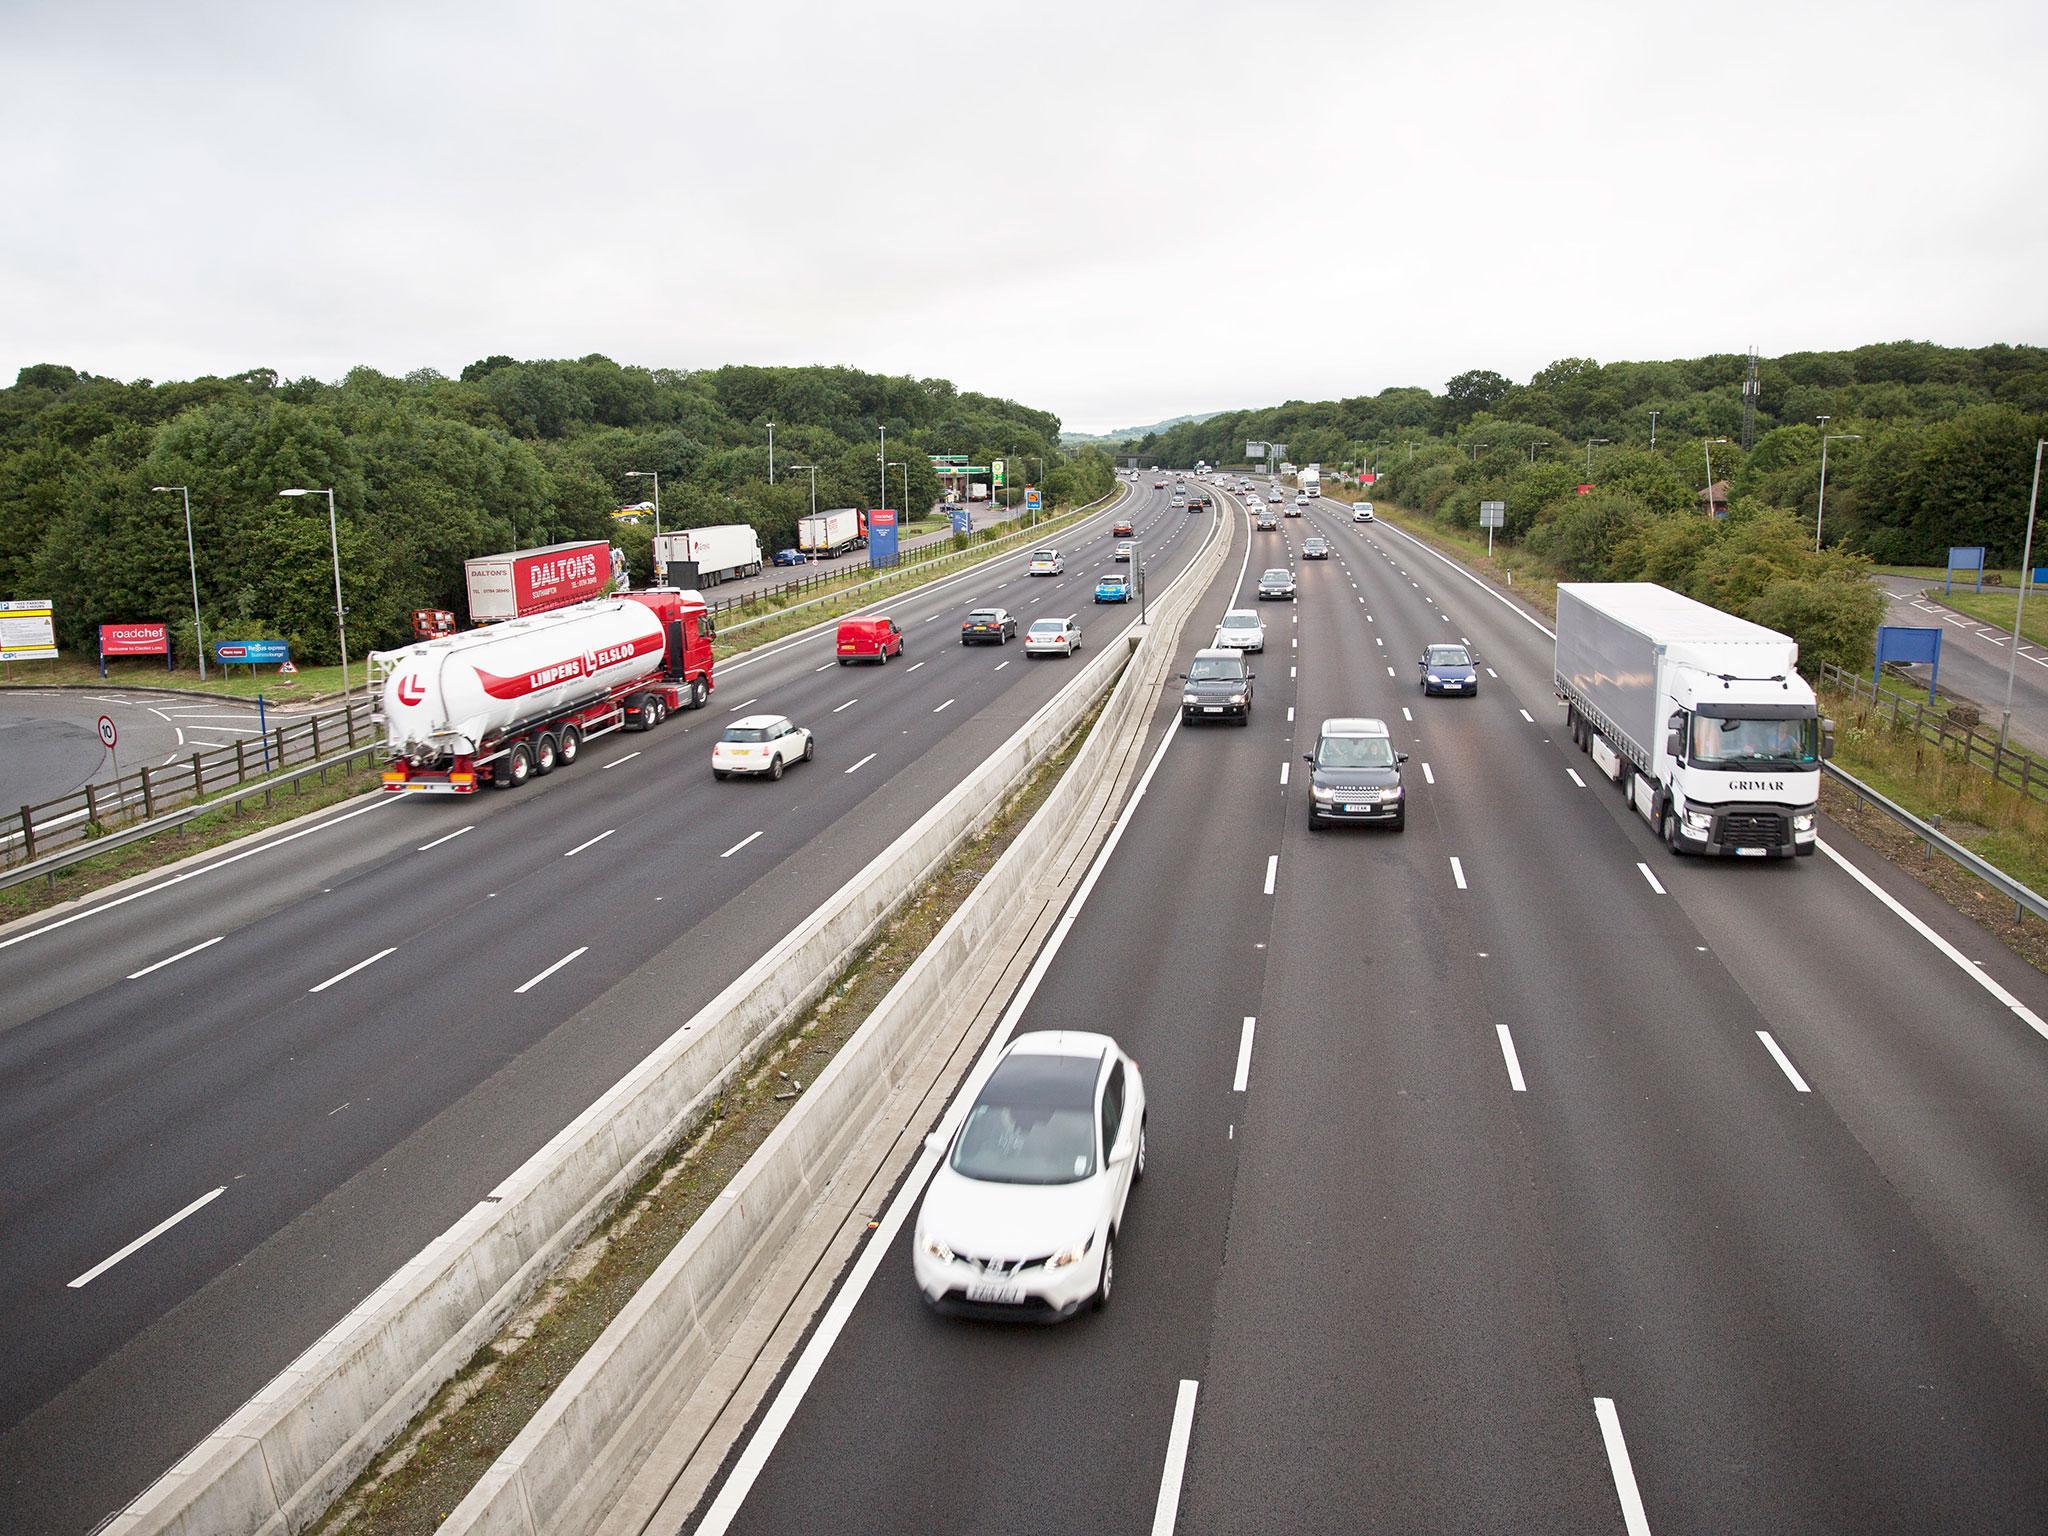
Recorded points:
(1449, 669)
(1113, 588)
(789, 557)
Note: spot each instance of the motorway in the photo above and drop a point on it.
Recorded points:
(1506, 1173)
(1976, 660)
(235, 1097)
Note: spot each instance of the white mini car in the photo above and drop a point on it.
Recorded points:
(1020, 1220)
(1047, 562)
(1242, 630)
(1362, 513)
(760, 744)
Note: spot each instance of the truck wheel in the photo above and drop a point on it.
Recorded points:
(1671, 832)
(570, 746)
(699, 694)
(545, 755)
(514, 768)
(775, 767)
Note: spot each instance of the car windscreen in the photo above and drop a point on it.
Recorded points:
(1355, 752)
(1449, 656)
(1216, 669)
(748, 733)
(1276, 576)
(1032, 1123)
(1754, 743)
(1240, 621)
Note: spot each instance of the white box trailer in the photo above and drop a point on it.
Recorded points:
(833, 533)
(720, 551)
(1701, 717)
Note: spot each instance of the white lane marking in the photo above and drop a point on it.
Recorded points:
(631, 755)
(1244, 1055)
(1507, 1051)
(1290, 714)
(1458, 873)
(529, 984)
(1001, 664)
(1528, 717)
(912, 668)
(738, 707)
(181, 734)
(934, 618)
(1573, 775)
(174, 959)
(1390, 671)
(736, 847)
(158, 713)
(150, 1236)
(947, 705)
(1294, 643)
(1445, 617)
(1427, 776)
(1650, 877)
(583, 845)
(864, 761)
(1405, 713)
(1283, 771)
(2032, 1019)
(828, 666)
(881, 1244)
(445, 837)
(358, 966)
(1784, 1062)
(1291, 672)
(1633, 1519)
(1376, 640)
(847, 705)
(1272, 871)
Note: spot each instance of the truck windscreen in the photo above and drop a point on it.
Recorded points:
(1754, 743)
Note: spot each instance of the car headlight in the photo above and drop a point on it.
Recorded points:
(1434, 678)
(1392, 794)
(1323, 794)
(938, 1250)
(1073, 1255)
(1802, 821)
(1237, 698)
(1699, 821)
(1190, 698)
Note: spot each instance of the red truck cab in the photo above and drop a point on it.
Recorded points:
(869, 638)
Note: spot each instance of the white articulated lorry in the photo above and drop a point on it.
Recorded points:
(831, 534)
(1312, 480)
(703, 557)
(1701, 717)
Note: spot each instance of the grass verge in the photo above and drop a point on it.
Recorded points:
(1997, 610)
(148, 672)
(415, 1484)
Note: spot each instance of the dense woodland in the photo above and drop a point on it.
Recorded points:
(1933, 446)
(429, 471)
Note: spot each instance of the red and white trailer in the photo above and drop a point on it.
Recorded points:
(530, 581)
(502, 704)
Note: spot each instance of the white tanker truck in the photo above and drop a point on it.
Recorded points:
(505, 703)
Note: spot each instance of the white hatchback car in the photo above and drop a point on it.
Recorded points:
(1242, 630)
(1020, 1220)
(1362, 513)
(756, 744)
(1047, 562)
(1053, 637)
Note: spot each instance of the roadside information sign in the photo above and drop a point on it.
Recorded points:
(28, 631)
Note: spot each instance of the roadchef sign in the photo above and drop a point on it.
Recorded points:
(134, 639)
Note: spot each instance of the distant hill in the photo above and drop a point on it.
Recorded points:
(1127, 434)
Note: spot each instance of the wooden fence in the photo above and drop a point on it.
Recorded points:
(86, 813)
(1962, 739)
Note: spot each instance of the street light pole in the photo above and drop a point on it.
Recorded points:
(1653, 427)
(903, 465)
(1475, 450)
(1590, 442)
(1820, 505)
(800, 468)
(771, 453)
(2019, 609)
(191, 559)
(334, 544)
(884, 457)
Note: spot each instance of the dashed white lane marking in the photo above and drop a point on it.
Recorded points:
(1244, 1055)
(1573, 775)
(1283, 773)
(856, 768)
(1001, 664)
(1784, 1062)
(847, 705)
(1390, 671)
(590, 842)
(1167, 1509)
(912, 668)
(631, 755)
(1427, 776)
(736, 847)
(534, 981)
(150, 1236)
(449, 837)
(358, 966)
(1458, 873)
(1507, 1051)
(174, 959)
(1491, 673)
(1290, 714)
(1272, 871)
(738, 707)
(1633, 1519)
(1528, 717)
(947, 705)
(1650, 877)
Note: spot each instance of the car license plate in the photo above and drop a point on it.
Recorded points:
(997, 1293)
(1751, 853)
(1353, 805)
(1212, 709)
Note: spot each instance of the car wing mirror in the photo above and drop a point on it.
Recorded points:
(1308, 757)
(936, 1142)
(1827, 738)
(1400, 757)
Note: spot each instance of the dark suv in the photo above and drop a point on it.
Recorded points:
(1355, 775)
(1217, 686)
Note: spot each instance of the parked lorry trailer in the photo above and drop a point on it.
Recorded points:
(509, 702)
(831, 534)
(720, 552)
(1702, 718)
(529, 581)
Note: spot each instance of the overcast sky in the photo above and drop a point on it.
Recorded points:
(1119, 212)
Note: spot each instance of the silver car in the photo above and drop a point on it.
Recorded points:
(1053, 637)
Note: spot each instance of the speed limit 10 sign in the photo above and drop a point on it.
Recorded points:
(107, 732)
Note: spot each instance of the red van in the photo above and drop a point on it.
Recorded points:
(869, 639)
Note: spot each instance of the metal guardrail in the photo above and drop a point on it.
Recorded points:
(2024, 898)
(50, 864)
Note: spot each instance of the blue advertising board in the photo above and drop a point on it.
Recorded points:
(1912, 645)
(253, 652)
(881, 537)
(1964, 558)
(963, 520)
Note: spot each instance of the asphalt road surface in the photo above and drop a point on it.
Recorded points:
(1975, 660)
(320, 1053)
(1506, 1173)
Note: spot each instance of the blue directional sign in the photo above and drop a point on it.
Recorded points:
(1964, 558)
(1911, 645)
(253, 652)
(963, 520)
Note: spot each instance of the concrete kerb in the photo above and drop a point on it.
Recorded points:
(558, 1472)
(276, 1464)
